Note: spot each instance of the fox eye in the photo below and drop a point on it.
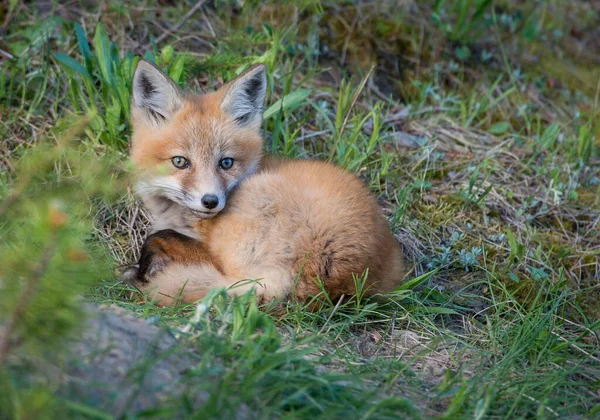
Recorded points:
(226, 163)
(180, 162)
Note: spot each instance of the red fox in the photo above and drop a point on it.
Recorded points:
(224, 213)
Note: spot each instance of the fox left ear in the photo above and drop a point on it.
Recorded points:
(154, 93)
(245, 96)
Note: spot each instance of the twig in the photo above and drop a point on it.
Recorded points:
(332, 313)
(23, 301)
(575, 346)
(207, 21)
(542, 405)
(347, 41)
(6, 54)
(354, 99)
(390, 332)
(185, 17)
(311, 135)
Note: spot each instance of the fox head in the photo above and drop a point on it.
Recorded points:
(193, 149)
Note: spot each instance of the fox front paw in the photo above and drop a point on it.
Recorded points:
(155, 256)
(162, 249)
(128, 275)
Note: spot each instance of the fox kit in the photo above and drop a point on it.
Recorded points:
(223, 213)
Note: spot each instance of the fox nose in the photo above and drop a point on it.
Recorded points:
(210, 201)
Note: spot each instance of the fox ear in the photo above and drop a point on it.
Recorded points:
(154, 93)
(245, 96)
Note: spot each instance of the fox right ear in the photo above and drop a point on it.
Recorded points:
(244, 96)
(154, 93)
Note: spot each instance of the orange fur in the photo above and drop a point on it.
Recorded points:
(286, 224)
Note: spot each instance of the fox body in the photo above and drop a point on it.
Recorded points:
(223, 213)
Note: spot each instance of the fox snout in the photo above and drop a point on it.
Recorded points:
(206, 204)
(210, 201)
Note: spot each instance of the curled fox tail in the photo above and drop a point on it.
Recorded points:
(175, 268)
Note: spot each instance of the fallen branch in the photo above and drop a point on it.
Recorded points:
(185, 17)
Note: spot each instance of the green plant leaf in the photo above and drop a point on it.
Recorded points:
(69, 63)
(438, 310)
(463, 53)
(87, 411)
(550, 136)
(499, 128)
(84, 47)
(411, 284)
(103, 54)
(176, 71)
(291, 100)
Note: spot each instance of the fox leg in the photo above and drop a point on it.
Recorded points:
(168, 249)
(174, 267)
(182, 283)
(188, 283)
(161, 249)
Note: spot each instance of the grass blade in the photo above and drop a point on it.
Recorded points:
(411, 284)
(289, 101)
(69, 63)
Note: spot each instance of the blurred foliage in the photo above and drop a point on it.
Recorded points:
(46, 257)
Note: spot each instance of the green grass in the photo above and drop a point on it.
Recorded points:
(474, 122)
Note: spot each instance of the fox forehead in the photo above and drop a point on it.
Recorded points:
(200, 130)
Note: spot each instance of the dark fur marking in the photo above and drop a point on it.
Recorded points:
(242, 119)
(251, 89)
(156, 115)
(327, 265)
(150, 263)
(147, 263)
(351, 247)
(147, 87)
